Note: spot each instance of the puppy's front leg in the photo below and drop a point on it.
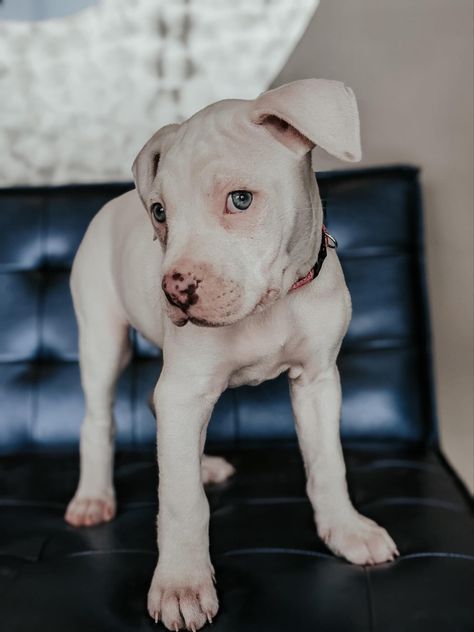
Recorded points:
(182, 592)
(316, 405)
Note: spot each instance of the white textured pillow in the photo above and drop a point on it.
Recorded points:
(81, 94)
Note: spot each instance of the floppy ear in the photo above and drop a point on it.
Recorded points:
(311, 112)
(145, 165)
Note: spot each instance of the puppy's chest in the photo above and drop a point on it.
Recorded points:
(264, 361)
(258, 372)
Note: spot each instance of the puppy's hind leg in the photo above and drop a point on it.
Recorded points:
(104, 350)
(215, 469)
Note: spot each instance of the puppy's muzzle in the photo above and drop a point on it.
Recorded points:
(181, 289)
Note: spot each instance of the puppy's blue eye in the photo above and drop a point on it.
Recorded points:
(238, 201)
(158, 212)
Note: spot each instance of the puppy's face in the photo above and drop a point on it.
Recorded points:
(224, 206)
(233, 201)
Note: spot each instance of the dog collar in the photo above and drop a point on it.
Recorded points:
(327, 241)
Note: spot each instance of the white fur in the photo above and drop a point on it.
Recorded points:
(246, 264)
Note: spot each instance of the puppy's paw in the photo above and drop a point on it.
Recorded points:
(360, 540)
(87, 511)
(186, 604)
(215, 469)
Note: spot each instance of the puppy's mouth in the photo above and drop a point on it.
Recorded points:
(181, 316)
(177, 316)
(199, 322)
(202, 322)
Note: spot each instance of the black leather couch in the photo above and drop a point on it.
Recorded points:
(273, 572)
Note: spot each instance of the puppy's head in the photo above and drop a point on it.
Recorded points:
(233, 200)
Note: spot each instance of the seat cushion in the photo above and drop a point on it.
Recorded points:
(273, 572)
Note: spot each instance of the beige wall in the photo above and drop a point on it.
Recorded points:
(410, 63)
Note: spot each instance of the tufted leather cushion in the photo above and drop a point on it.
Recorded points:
(274, 574)
(374, 214)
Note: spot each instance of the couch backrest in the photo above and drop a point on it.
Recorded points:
(385, 361)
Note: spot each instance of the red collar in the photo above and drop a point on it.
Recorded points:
(327, 241)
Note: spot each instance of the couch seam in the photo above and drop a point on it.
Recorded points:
(370, 602)
(40, 318)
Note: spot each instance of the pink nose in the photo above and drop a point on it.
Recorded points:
(181, 289)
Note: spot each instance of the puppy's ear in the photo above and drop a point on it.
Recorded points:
(311, 112)
(145, 165)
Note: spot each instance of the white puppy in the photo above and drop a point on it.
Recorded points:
(218, 273)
